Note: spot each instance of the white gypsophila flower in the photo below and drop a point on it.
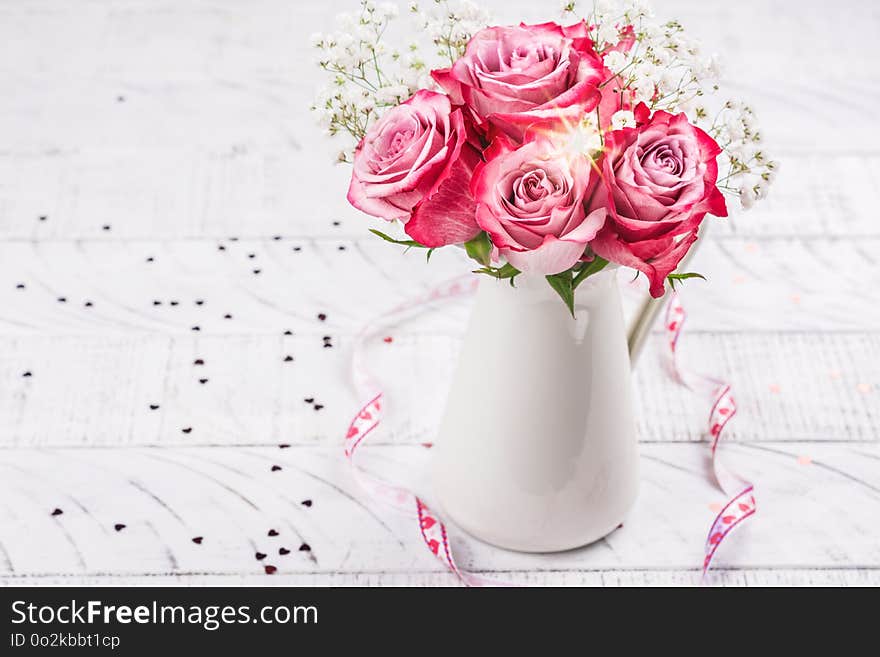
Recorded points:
(615, 61)
(605, 7)
(389, 10)
(652, 32)
(643, 93)
(638, 9)
(623, 119)
(450, 24)
(608, 33)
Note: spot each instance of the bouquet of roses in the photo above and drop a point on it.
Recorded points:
(550, 149)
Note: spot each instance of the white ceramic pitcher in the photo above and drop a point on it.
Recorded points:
(537, 449)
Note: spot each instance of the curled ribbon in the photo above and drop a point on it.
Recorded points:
(433, 532)
(741, 502)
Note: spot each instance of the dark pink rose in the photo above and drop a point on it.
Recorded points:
(514, 76)
(414, 165)
(659, 181)
(530, 200)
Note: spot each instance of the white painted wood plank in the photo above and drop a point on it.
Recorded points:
(811, 517)
(171, 120)
(98, 391)
(720, 577)
(257, 57)
(168, 121)
(774, 285)
(253, 191)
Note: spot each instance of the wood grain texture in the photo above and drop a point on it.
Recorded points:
(169, 119)
(176, 192)
(269, 286)
(99, 390)
(859, 577)
(231, 498)
(151, 152)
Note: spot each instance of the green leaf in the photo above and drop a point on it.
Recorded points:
(677, 278)
(429, 253)
(562, 283)
(480, 248)
(388, 238)
(507, 271)
(596, 265)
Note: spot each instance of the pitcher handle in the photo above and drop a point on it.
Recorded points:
(640, 327)
(641, 323)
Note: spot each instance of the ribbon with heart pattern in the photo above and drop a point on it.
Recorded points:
(431, 529)
(433, 532)
(741, 502)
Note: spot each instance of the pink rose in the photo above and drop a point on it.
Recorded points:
(658, 184)
(530, 200)
(515, 76)
(415, 165)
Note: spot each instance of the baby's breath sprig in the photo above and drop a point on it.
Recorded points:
(450, 25)
(656, 63)
(367, 77)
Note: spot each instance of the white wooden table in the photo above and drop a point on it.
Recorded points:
(159, 171)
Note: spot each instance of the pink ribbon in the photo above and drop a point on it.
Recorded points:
(741, 502)
(433, 532)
